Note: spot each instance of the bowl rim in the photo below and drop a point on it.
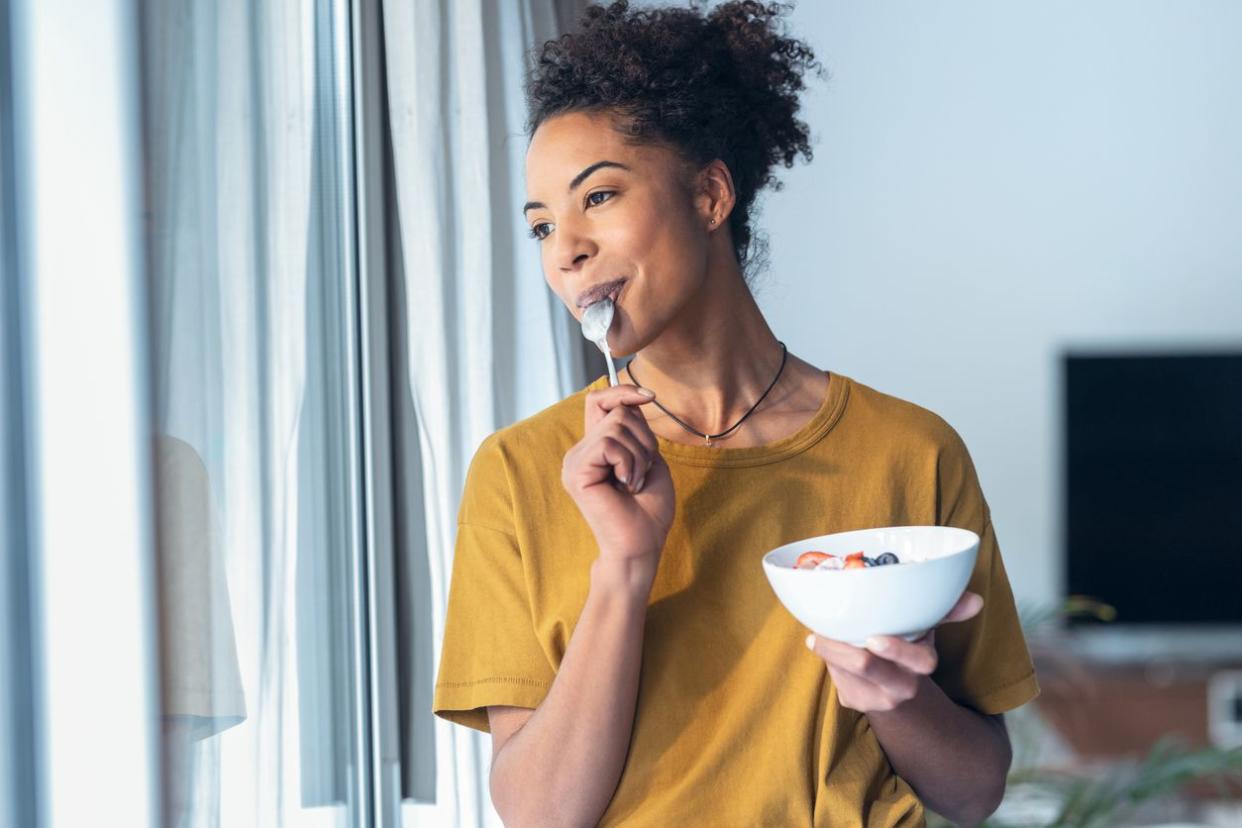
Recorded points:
(970, 538)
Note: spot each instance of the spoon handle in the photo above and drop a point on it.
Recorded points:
(612, 369)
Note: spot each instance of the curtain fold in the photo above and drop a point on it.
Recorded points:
(245, 245)
(485, 341)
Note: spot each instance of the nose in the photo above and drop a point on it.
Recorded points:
(573, 248)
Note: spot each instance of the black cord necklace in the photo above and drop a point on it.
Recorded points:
(707, 438)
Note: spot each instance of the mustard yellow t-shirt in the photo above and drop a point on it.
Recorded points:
(737, 723)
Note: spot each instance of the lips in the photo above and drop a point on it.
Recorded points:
(610, 289)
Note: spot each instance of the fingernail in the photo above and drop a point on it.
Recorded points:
(877, 644)
(647, 392)
(810, 641)
(638, 487)
(625, 480)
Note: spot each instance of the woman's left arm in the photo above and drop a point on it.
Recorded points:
(955, 758)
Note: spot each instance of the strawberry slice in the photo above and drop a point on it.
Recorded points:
(810, 560)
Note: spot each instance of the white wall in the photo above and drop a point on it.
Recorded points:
(995, 182)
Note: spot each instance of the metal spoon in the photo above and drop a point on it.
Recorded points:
(596, 320)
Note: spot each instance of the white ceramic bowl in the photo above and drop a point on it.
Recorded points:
(905, 599)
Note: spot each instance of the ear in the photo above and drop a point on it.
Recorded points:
(714, 194)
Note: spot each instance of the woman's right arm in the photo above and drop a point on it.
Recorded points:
(560, 763)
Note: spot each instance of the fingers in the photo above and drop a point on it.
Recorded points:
(968, 606)
(622, 453)
(891, 663)
(865, 681)
(891, 659)
(632, 427)
(618, 445)
(618, 459)
(888, 658)
(918, 656)
(599, 403)
(625, 444)
(619, 449)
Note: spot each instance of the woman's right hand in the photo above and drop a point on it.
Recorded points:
(630, 520)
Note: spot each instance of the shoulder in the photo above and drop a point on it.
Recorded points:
(533, 442)
(557, 427)
(923, 442)
(900, 422)
(511, 460)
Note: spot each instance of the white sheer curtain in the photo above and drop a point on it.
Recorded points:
(488, 343)
(249, 442)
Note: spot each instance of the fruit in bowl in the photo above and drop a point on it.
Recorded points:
(924, 572)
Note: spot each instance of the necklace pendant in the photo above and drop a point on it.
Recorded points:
(707, 441)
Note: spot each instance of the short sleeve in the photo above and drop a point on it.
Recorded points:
(490, 654)
(984, 662)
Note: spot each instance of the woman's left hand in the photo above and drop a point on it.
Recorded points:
(889, 670)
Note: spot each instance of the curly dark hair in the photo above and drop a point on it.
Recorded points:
(722, 85)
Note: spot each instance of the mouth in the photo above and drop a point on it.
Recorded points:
(610, 290)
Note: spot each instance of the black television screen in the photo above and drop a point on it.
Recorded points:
(1153, 486)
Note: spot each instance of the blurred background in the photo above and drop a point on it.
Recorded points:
(266, 287)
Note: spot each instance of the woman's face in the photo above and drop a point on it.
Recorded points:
(616, 219)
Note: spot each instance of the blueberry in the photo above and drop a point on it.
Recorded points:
(886, 558)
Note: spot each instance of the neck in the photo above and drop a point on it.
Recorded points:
(715, 359)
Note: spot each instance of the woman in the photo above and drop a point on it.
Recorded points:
(608, 621)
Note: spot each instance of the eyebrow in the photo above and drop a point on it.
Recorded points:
(578, 179)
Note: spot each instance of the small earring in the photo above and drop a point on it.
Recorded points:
(713, 222)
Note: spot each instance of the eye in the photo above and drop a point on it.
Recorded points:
(591, 196)
(591, 201)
